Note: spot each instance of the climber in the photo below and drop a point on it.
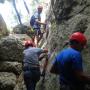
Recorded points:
(36, 23)
(31, 66)
(66, 43)
(68, 64)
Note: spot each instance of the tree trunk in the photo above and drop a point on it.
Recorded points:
(19, 18)
(26, 7)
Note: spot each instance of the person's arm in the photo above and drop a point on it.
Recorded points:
(54, 67)
(45, 50)
(43, 54)
(45, 65)
(40, 22)
(78, 69)
(36, 15)
(82, 77)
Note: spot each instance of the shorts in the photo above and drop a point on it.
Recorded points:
(37, 32)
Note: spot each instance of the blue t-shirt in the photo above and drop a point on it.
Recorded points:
(31, 55)
(69, 60)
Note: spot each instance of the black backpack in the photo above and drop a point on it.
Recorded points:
(32, 20)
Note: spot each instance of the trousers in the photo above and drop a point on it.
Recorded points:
(31, 77)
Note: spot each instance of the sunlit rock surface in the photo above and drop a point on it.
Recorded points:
(3, 28)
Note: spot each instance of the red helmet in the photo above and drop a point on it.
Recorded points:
(29, 43)
(79, 37)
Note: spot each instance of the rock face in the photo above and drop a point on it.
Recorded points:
(10, 49)
(3, 28)
(7, 81)
(23, 29)
(67, 16)
(11, 55)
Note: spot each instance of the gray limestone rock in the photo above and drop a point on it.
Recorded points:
(7, 81)
(11, 49)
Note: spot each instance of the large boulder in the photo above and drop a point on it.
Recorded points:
(20, 85)
(14, 67)
(11, 56)
(11, 49)
(7, 81)
(23, 29)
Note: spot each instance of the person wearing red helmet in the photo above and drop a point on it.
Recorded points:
(31, 67)
(28, 43)
(68, 64)
(36, 23)
(78, 37)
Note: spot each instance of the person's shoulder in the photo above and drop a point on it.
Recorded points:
(25, 50)
(36, 48)
(61, 52)
(74, 52)
(36, 13)
(65, 50)
(70, 50)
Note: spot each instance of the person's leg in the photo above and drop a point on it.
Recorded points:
(30, 85)
(32, 81)
(33, 86)
(36, 37)
(40, 35)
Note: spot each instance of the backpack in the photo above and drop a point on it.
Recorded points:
(32, 20)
